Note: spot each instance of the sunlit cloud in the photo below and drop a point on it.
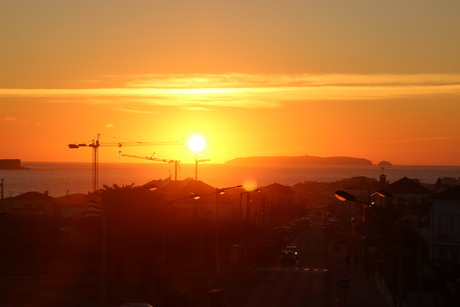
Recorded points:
(235, 80)
(133, 111)
(208, 91)
(437, 138)
(11, 119)
(196, 108)
(89, 81)
(109, 126)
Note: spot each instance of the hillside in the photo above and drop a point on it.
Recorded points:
(302, 160)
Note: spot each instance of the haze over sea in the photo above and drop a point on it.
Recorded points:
(60, 179)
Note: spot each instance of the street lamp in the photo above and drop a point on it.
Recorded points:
(383, 193)
(247, 201)
(218, 192)
(345, 196)
(348, 198)
(104, 253)
(163, 230)
(241, 212)
(196, 165)
(196, 144)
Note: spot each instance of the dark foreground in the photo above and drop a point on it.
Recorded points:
(313, 281)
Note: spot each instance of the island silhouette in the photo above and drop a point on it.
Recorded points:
(302, 160)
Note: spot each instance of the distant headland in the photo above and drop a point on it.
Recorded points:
(11, 164)
(301, 160)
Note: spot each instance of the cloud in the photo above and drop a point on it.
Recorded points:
(236, 80)
(208, 91)
(435, 138)
(195, 108)
(133, 111)
(11, 119)
(108, 126)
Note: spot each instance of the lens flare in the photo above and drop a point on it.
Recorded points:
(250, 185)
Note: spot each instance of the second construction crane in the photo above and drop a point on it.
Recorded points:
(95, 144)
(175, 162)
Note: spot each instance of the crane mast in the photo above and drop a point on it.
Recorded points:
(175, 162)
(95, 144)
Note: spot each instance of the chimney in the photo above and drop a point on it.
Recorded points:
(383, 181)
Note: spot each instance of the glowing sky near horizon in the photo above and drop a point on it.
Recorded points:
(371, 79)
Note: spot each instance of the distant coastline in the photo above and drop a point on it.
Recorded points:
(301, 160)
(62, 178)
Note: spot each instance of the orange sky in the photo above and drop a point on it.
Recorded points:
(372, 79)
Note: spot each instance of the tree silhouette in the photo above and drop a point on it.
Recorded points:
(133, 226)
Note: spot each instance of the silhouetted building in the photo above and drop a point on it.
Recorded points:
(204, 207)
(280, 200)
(74, 204)
(445, 242)
(406, 189)
(360, 185)
(444, 183)
(31, 202)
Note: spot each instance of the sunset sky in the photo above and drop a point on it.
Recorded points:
(370, 79)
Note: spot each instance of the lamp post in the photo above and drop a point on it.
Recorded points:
(241, 213)
(383, 193)
(196, 165)
(1, 194)
(263, 218)
(196, 144)
(345, 196)
(163, 230)
(247, 201)
(104, 253)
(218, 192)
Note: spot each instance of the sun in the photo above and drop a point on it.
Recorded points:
(196, 143)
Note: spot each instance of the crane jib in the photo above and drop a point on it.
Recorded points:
(124, 144)
(96, 144)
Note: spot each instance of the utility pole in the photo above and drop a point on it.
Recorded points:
(1, 199)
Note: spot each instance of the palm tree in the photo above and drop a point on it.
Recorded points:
(132, 225)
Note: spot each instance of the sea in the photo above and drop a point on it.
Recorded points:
(62, 178)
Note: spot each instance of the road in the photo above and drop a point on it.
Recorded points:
(309, 283)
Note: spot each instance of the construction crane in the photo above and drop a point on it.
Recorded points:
(95, 144)
(175, 162)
